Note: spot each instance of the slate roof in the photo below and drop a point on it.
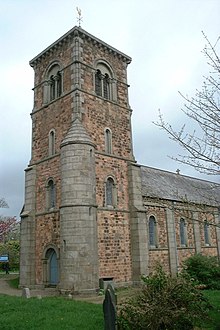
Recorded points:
(176, 187)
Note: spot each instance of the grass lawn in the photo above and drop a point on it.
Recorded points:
(214, 298)
(49, 314)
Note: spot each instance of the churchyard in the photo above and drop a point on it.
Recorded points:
(51, 313)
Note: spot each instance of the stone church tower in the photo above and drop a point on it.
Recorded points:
(91, 213)
(82, 207)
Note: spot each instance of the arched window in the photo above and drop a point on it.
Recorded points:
(110, 192)
(51, 198)
(183, 240)
(54, 83)
(108, 141)
(152, 231)
(206, 233)
(104, 82)
(52, 143)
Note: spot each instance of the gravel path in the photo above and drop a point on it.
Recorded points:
(6, 289)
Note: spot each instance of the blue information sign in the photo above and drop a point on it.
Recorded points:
(4, 258)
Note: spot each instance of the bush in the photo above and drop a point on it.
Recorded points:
(164, 302)
(204, 270)
(12, 249)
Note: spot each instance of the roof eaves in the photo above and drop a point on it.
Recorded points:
(82, 33)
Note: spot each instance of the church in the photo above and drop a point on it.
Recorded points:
(91, 213)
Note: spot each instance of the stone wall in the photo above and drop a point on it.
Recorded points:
(194, 216)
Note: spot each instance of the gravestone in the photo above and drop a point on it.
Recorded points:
(26, 293)
(109, 308)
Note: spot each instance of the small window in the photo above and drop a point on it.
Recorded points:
(108, 141)
(51, 194)
(51, 143)
(183, 240)
(152, 231)
(206, 233)
(110, 192)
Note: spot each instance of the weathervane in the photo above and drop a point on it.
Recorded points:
(79, 18)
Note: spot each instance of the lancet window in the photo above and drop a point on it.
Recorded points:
(108, 141)
(110, 192)
(51, 194)
(152, 231)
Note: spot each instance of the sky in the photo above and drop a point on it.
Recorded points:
(164, 39)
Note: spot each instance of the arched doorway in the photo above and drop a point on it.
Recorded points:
(52, 267)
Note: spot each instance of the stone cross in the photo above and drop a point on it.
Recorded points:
(109, 308)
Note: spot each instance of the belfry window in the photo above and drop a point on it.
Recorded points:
(59, 84)
(152, 231)
(98, 83)
(53, 84)
(106, 86)
(52, 88)
(104, 82)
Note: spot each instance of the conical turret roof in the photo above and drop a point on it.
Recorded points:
(77, 134)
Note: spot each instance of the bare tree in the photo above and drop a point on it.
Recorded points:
(3, 203)
(7, 225)
(202, 146)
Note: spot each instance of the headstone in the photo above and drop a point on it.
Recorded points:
(109, 308)
(26, 293)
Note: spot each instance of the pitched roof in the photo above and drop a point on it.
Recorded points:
(71, 33)
(176, 187)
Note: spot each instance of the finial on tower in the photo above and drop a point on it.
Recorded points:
(79, 18)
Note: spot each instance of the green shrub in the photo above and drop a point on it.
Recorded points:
(164, 302)
(11, 248)
(204, 270)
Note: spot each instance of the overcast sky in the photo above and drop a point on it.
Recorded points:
(164, 39)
